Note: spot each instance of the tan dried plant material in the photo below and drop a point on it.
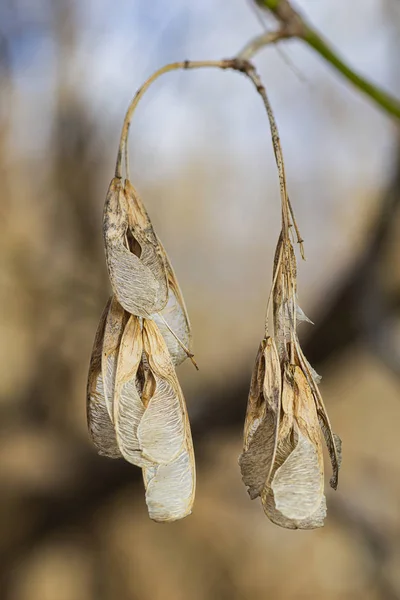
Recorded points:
(173, 320)
(282, 458)
(128, 408)
(151, 421)
(100, 427)
(295, 493)
(165, 437)
(114, 328)
(332, 440)
(145, 242)
(137, 285)
(262, 419)
(140, 272)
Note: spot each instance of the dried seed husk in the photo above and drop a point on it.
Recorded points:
(313, 521)
(165, 437)
(333, 443)
(170, 487)
(134, 284)
(296, 490)
(262, 419)
(114, 328)
(128, 406)
(161, 431)
(100, 427)
(298, 483)
(176, 316)
(332, 440)
(256, 462)
(284, 296)
(152, 254)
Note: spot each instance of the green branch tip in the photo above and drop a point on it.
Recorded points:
(293, 24)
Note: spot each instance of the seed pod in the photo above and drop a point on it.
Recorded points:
(174, 318)
(296, 490)
(161, 431)
(114, 327)
(144, 239)
(332, 440)
(100, 427)
(170, 487)
(262, 419)
(128, 407)
(135, 285)
(284, 295)
(313, 521)
(164, 435)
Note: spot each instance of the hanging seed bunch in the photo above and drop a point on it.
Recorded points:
(282, 459)
(135, 404)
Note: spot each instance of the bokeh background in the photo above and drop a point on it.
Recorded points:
(74, 526)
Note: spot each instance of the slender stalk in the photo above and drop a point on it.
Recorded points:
(221, 64)
(248, 69)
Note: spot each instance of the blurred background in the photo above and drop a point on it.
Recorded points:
(74, 526)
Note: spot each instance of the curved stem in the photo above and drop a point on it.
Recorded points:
(248, 69)
(221, 64)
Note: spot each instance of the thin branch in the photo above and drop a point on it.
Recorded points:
(293, 25)
(221, 64)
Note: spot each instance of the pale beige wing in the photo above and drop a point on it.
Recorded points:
(262, 419)
(176, 316)
(134, 284)
(313, 521)
(171, 487)
(296, 490)
(161, 431)
(146, 241)
(127, 405)
(100, 427)
(165, 437)
(114, 328)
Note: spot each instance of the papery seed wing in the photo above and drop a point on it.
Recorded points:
(297, 484)
(114, 327)
(272, 383)
(305, 412)
(128, 406)
(255, 462)
(288, 399)
(313, 521)
(161, 431)
(284, 294)
(134, 284)
(170, 488)
(295, 496)
(151, 253)
(262, 419)
(255, 403)
(164, 435)
(176, 316)
(100, 427)
(332, 440)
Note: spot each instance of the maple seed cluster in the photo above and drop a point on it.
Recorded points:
(282, 459)
(135, 406)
